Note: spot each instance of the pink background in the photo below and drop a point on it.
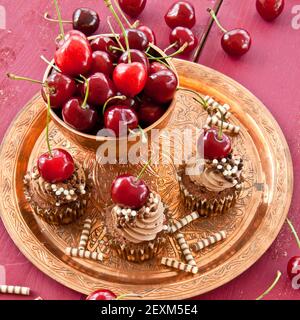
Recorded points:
(270, 70)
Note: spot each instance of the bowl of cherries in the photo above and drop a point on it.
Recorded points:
(108, 86)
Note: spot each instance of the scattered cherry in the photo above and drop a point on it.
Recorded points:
(137, 39)
(136, 56)
(149, 33)
(161, 86)
(86, 20)
(102, 62)
(120, 118)
(103, 43)
(74, 56)
(235, 42)
(78, 117)
(130, 79)
(129, 191)
(149, 112)
(101, 88)
(214, 146)
(157, 66)
(269, 9)
(57, 166)
(180, 36)
(102, 294)
(133, 7)
(181, 14)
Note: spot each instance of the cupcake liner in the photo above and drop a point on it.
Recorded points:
(207, 207)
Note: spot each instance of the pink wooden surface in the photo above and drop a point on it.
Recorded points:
(269, 70)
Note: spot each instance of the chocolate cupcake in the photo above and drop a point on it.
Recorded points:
(137, 223)
(59, 202)
(211, 186)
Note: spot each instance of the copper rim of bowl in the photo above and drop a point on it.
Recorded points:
(103, 138)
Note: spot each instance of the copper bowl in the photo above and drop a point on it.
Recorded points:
(92, 142)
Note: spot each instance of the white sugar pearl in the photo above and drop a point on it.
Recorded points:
(133, 213)
(219, 167)
(128, 211)
(224, 160)
(68, 197)
(61, 189)
(215, 161)
(66, 192)
(53, 186)
(147, 210)
(57, 204)
(118, 211)
(58, 193)
(83, 191)
(124, 212)
(225, 173)
(229, 167)
(72, 192)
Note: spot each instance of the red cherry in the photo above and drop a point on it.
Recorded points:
(137, 39)
(269, 9)
(57, 167)
(120, 118)
(236, 42)
(102, 62)
(102, 294)
(129, 191)
(104, 44)
(212, 146)
(181, 35)
(101, 88)
(293, 267)
(59, 42)
(74, 56)
(86, 20)
(136, 56)
(133, 7)
(130, 79)
(80, 118)
(149, 113)
(149, 33)
(161, 86)
(181, 14)
(62, 89)
(157, 66)
(129, 102)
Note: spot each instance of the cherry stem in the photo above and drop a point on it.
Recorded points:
(113, 11)
(202, 101)
(180, 50)
(50, 63)
(271, 287)
(144, 169)
(142, 132)
(110, 99)
(122, 13)
(159, 59)
(114, 34)
(128, 295)
(15, 77)
(135, 24)
(61, 27)
(48, 18)
(213, 15)
(220, 132)
(47, 123)
(111, 48)
(87, 91)
(171, 46)
(293, 231)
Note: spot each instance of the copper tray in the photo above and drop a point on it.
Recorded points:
(252, 225)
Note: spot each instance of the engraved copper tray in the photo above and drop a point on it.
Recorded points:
(251, 226)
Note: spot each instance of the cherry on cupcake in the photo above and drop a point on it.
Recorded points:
(235, 42)
(269, 9)
(56, 166)
(149, 112)
(148, 32)
(59, 87)
(181, 14)
(130, 191)
(161, 86)
(293, 266)
(85, 20)
(136, 56)
(215, 144)
(130, 78)
(133, 8)
(184, 38)
(101, 88)
(119, 119)
(137, 39)
(102, 62)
